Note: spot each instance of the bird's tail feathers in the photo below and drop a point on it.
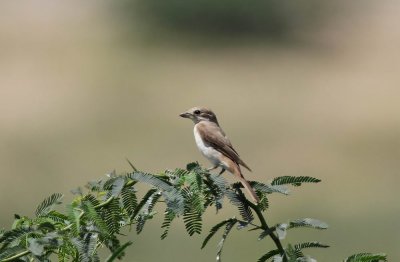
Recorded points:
(249, 189)
(235, 169)
(242, 163)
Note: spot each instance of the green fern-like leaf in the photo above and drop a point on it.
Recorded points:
(308, 222)
(293, 254)
(92, 215)
(35, 246)
(117, 186)
(17, 233)
(47, 205)
(194, 166)
(172, 196)
(245, 212)
(268, 255)
(57, 217)
(176, 177)
(264, 202)
(217, 186)
(92, 199)
(146, 211)
(45, 226)
(8, 253)
(192, 214)
(175, 201)
(269, 189)
(293, 180)
(305, 259)
(366, 257)
(143, 201)
(86, 247)
(74, 218)
(95, 186)
(194, 192)
(193, 222)
(168, 217)
(309, 245)
(238, 199)
(219, 181)
(151, 179)
(112, 215)
(195, 181)
(67, 250)
(215, 229)
(108, 183)
(129, 200)
(228, 228)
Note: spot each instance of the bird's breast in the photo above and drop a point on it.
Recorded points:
(208, 151)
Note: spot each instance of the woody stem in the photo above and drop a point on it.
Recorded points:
(265, 227)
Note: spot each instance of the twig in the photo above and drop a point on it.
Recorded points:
(265, 226)
(16, 256)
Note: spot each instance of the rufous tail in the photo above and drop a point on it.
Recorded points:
(235, 169)
(249, 189)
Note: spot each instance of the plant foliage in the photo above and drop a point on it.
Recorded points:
(96, 216)
(366, 257)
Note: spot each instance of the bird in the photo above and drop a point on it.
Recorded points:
(213, 143)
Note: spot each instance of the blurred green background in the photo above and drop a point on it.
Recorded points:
(304, 88)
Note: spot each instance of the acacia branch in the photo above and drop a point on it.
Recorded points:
(265, 226)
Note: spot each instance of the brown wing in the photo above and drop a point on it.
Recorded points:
(213, 135)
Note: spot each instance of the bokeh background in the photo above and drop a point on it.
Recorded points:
(301, 87)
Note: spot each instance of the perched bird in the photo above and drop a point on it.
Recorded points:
(215, 145)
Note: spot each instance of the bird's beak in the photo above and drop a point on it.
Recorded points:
(185, 115)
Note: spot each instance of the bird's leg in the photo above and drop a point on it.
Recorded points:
(212, 168)
(215, 167)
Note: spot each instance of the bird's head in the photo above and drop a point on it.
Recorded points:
(198, 114)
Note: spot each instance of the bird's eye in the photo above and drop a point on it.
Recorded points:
(196, 112)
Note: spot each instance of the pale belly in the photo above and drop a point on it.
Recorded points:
(210, 153)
